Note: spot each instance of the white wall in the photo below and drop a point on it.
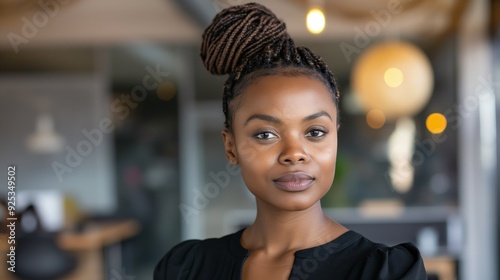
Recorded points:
(76, 104)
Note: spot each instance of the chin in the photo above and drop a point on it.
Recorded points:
(296, 204)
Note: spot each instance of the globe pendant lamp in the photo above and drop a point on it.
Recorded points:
(393, 78)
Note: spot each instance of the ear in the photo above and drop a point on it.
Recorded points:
(230, 147)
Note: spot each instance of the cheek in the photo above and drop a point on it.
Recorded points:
(246, 152)
(327, 167)
(327, 153)
(250, 152)
(253, 174)
(326, 162)
(254, 161)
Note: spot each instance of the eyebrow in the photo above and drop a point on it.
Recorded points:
(263, 117)
(317, 115)
(275, 120)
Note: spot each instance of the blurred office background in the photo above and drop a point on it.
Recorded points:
(114, 128)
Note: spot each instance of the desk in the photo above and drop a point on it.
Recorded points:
(442, 266)
(87, 246)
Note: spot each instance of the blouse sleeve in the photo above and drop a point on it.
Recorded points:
(402, 261)
(175, 265)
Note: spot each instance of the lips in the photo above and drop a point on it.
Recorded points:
(294, 182)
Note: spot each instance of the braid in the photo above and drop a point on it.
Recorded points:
(249, 42)
(236, 33)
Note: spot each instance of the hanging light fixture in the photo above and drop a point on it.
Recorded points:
(393, 81)
(45, 139)
(393, 77)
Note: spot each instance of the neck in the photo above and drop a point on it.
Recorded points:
(278, 232)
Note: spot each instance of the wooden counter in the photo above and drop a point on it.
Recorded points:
(87, 245)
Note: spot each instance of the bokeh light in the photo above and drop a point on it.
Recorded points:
(315, 21)
(166, 90)
(393, 77)
(381, 79)
(375, 119)
(436, 123)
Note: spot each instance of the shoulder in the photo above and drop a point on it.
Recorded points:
(402, 261)
(182, 258)
(177, 261)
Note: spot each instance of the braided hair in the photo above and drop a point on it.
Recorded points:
(249, 42)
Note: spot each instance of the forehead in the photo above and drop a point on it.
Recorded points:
(287, 96)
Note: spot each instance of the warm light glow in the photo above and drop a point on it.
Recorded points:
(166, 90)
(436, 123)
(393, 77)
(375, 119)
(315, 21)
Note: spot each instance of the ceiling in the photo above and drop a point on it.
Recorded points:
(97, 22)
(104, 22)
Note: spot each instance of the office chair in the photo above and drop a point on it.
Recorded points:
(38, 256)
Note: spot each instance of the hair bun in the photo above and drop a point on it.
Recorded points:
(237, 33)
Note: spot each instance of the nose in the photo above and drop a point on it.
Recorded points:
(293, 152)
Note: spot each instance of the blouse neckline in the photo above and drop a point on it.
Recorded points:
(334, 246)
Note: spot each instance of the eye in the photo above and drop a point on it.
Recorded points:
(264, 135)
(316, 133)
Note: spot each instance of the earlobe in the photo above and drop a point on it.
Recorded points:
(229, 147)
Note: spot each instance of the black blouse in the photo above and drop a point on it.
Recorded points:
(350, 256)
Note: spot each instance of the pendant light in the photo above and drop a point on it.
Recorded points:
(45, 139)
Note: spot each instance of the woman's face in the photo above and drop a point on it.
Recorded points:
(285, 140)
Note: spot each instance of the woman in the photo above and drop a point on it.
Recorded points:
(281, 108)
